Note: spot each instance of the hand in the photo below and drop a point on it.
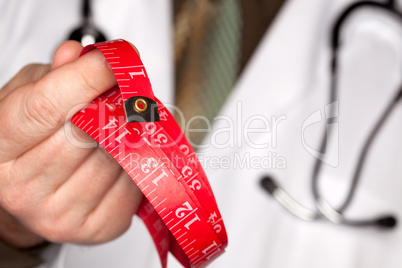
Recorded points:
(50, 189)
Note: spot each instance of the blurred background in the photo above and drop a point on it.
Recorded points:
(271, 116)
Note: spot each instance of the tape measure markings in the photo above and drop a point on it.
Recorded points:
(178, 199)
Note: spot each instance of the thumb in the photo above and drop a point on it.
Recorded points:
(68, 51)
(35, 111)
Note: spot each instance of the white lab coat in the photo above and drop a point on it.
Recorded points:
(286, 79)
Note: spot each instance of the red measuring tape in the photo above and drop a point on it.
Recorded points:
(133, 126)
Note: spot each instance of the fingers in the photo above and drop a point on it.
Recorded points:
(28, 74)
(77, 82)
(33, 112)
(15, 234)
(54, 158)
(54, 188)
(118, 207)
(74, 224)
(110, 219)
(66, 52)
(63, 194)
(89, 183)
(74, 208)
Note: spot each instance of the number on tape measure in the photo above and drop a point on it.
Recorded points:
(179, 208)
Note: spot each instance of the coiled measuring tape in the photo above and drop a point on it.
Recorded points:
(179, 208)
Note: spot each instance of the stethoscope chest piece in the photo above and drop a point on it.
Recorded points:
(87, 33)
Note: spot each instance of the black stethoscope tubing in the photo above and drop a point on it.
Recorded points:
(324, 209)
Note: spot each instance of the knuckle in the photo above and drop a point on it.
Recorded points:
(96, 76)
(62, 227)
(34, 71)
(96, 233)
(18, 197)
(49, 229)
(56, 230)
(86, 231)
(67, 228)
(42, 112)
(15, 200)
(89, 83)
(27, 69)
(39, 71)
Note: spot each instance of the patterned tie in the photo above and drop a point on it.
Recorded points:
(207, 57)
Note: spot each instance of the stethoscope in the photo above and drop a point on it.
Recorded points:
(87, 33)
(324, 210)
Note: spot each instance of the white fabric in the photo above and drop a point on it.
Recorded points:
(288, 77)
(30, 31)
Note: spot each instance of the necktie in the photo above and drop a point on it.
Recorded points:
(207, 57)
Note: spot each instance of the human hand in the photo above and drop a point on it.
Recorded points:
(49, 188)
